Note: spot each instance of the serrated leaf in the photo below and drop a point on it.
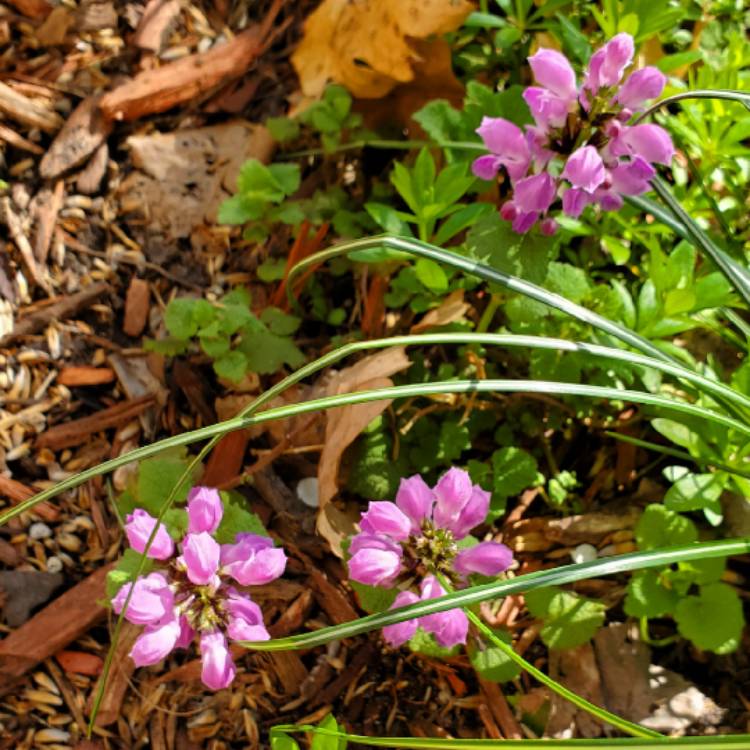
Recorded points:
(233, 366)
(647, 597)
(713, 619)
(492, 241)
(372, 471)
(282, 129)
(237, 518)
(454, 440)
(569, 620)
(183, 316)
(493, 664)
(287, 176)
(513, 470)
(659, 527)
(424, 643)
(125, 570)
(266, 353)
(271, 269)
(279, 322)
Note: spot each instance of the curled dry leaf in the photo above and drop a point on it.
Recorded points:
(450, 310)
(366, 46)
(344, 424)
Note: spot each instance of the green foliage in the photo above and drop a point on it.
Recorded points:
(569, 620)
(424, 643)
(373, 472)
(712, 619)
(327, 741)
(228, 332)
(237, 519)
(513, 470)
(491, 663)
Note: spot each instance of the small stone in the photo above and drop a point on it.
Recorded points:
(584, 553)
(39, 531)
(54, 564)
(307, 491)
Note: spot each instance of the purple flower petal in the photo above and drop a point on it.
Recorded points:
(608, 200)
(218, 666)
(201, 553)
(386, 518)
(364, 540)
(473, 513)
(632, 177)
(507, 142)
(138, 527)
(152, 599)
(525, 221)
(486, 167)
(452, 492)
(260, 566)
(375, 567)
(641, 86)
(508, 211)
(449, 628)
(155, 642)
(553, 71)
(401, 632)
(650, 142)
(244, 547)
(186, 634)
(549, 226)
(415, 498)
(547, 109)
(584, 169)
(205, 510)
(607, 64)
(245, 618)
(487, 558)
(534, 193)
(574, 201)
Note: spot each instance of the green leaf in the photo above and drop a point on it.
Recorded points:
(215, 346)
(327, 741)
(237, 518)
(373, 598)
(124, 571)
(256, 182)
(513, 470)
(372, 471)
(184, 316)
(271, 269)
(279, 322)
(492, 241)
(569, 620)
(696, 492)
(462, 219)
(425, 644)
(266, 353)
(659, 527)
(493, 664)
(287, 176)
(238, 210)
(647, 597)
(454, 440)
(713, 619)
(440, 121)
(281, 741)
(423, 173)
(232, 366)
(282, 129)
(569, 281)
(431, 275)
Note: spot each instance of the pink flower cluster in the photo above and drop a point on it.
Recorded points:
(417, 537)
(580, 149)
(193, 594)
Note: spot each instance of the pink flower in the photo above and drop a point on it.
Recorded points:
(388, 519)
(401, 632)
(608, 64)
(553, 71)
(487, 558)
(218, 666)
(650, 142)
(155, 642)
(193, 594)
(641, 86)
(547, 109)
(535, 193)
(584, 169)
(449, 628)
(374, 566)
(415, 499)
(152, 599)
(201, 553)
(139, 526)
(574, 200)
(508, 148)
(204, 510)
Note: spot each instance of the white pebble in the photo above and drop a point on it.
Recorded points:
(39, 531)
(54, 564)
(584, 553)
(307, 491)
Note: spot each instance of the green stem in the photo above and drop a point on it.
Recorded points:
(743, 97)
(600, 713)
(489, 312)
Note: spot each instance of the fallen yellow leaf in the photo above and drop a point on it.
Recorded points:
(364, 44)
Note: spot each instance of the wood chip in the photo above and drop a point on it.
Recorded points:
(47, 211)
(79, 430)
(15, 227)
(17, 493)
(18, 141)
(28, 111)
(60, 310)
(180, 81)
(80, 662)
(330, 599)
(79, 375)
(83, 133)
(136, 307)
(57, 625)
(53, 31)
(156, 21)
(32, 8)
(92, 174)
